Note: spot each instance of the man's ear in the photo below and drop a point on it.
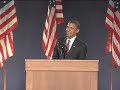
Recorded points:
(78, 30)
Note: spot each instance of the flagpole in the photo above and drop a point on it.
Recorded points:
(111, 77)
(4, 77)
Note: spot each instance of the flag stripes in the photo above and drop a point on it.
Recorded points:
(8, 19)
(8, 23)
(54, 17)
(113, 26)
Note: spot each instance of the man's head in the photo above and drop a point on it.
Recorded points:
(73, 27)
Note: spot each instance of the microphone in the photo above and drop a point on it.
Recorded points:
(61, 50)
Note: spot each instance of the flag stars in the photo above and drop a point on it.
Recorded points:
(117, 3)
(116, 7)
(4, 1)
(52, 3)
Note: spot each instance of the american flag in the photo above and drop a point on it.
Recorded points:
(113, 26)
(8, 23)
(54, 17)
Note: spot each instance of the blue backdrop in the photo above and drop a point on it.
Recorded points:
(28, 37)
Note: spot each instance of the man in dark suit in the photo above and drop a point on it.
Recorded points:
(70, 47)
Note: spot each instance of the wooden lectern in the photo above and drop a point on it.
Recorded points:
(61, 74)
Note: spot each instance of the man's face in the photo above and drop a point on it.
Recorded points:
(71, 30)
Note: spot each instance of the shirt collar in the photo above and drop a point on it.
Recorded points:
(72, 39)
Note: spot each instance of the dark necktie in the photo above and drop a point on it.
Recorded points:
(68, 46)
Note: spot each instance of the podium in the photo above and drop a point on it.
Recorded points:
(61, 74)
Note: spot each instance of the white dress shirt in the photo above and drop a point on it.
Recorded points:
(71, 41)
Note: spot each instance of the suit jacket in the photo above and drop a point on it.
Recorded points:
(77, 51)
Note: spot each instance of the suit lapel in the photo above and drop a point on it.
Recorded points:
(73, 46)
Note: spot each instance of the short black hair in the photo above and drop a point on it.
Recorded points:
(76, 23)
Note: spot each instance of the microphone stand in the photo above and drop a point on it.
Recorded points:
(61, 50)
